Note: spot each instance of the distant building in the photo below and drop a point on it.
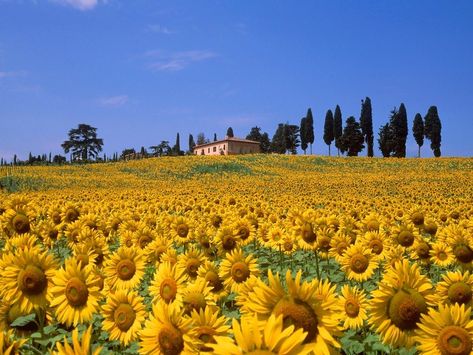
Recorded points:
(228, 146)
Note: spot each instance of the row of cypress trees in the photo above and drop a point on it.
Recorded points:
(392, 136)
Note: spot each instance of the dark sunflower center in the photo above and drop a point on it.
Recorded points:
(194, 301)
(405, 238)
(144, 240)
(182, 230)
(417, 218)
(168, 290)
(376, 246)
(124, 316)
(308, 234)
(341, 247)
(214, 281)
(71, 215)
(228, 242)
(459, 292)
(423, 250)
(243, 232)
(324, 243)
(352, 308)
(192, 266)
(76, 292)
(21, 224)
(431, 228)
(126, 269)
(405, 308)
(372, 225)
(442, 255)
(170, 340)
(299, 314)
(216, 221)
(53, 234)
(82, 259)
(359, 263)
(463, 253)
(32, 280)
(205, 335)
(129, 243)
(454, 340)
(56, 217)
(288, 245)
(240, 271)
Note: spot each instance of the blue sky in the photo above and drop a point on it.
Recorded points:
(140, 71)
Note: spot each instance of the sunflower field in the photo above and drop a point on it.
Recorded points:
(255, 254)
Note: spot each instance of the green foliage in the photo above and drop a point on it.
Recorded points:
(309, 129)
(303, 134)
(352, 138)
(263, 139)
(366, 123)
(230, 132)
(337, 127)
(433, 130)
(83, 143)
(328, 129)
(278, 143)
(24, 320)
(418, 131)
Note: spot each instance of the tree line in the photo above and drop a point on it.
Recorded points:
(83, 144)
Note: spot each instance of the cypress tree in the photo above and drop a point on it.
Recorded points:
(433, 130)
(191, 143)
(177, 146)
(399, 128)
(418, 131)
(337, 127)
(230, 132)
(303, 134)
(385, 140)
(278, 143)
(352, 138)
(366, 123)
(309, 129)
(328, 129)
(215, 137)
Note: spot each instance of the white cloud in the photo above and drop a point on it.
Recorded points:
(12, 74)
(159, 29)
(114, 101)
(163, 61)
(82, 5)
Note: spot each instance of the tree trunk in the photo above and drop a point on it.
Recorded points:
(329, 149)
(418, 154)
(310, 148)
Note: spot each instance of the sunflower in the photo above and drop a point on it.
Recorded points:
(48, 232)
(206, 326)
(125, 268)
(353, 306)
(75, 293)
(244, 230)
(143, 236)
(26, 278)
(404, 234)
(70, 213)
(84, 254)
(306, 234)
(124, 314)
(71, 232)
(275, 236)
(461, 243)
(275, 338)
(396, 306)
(311, 306)
(168, 283)
(209, 272)
(235, 269)
(8, 345)
(358, 263)
(377, 242)
(22, 241)
(127, 239)
(16, 221)
(421, 251)
(167, 332)
(181, 230)
(156, 248)
(196, 296)
(169, 256)
(82, 346)
(191, 261)
(338, 245)
(448, 331)
(441, 254)
(455, 287)
(225, 239)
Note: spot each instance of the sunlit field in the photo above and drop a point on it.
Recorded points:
(255, 254)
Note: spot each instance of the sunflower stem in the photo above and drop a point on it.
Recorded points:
(317, 264)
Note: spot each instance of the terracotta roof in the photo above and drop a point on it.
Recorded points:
(227, 139)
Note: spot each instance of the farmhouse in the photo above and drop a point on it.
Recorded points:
(228, 146)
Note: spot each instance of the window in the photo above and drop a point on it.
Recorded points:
(224, 147)
(203, 153)
(215, 149)
(208, 150)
